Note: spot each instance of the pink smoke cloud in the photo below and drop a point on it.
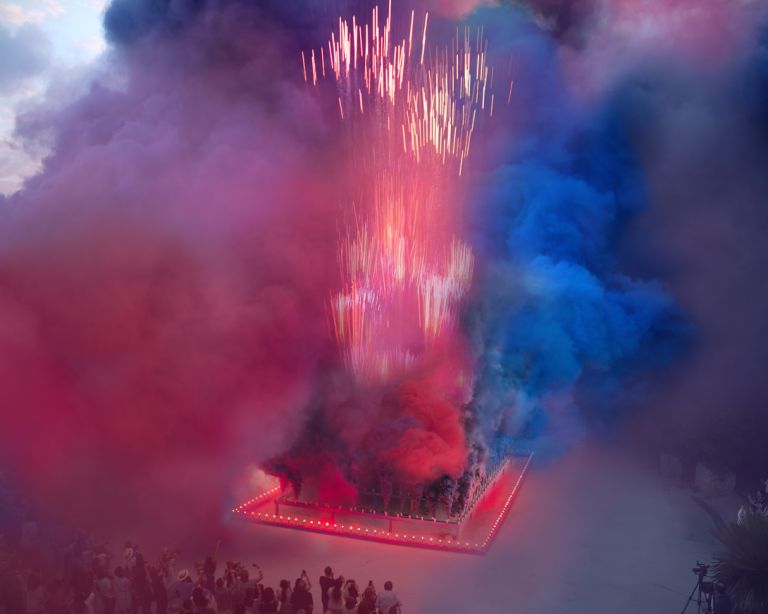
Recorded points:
(163, 281)
(457, 9)
(433, 442)
(434, 446)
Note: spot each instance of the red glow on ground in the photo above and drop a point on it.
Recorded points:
(473, 535)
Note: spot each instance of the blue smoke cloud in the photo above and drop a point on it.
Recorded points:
(555, 318)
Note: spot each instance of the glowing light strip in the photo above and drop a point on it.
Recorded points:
(507, 505)
(269, 494)
(353, 530)
(498, 472)
(371, 513)
(381, 535)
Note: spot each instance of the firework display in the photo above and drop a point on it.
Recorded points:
(348, 266)
(406, 112)
(411, 110)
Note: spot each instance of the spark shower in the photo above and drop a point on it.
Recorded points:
(413, 110)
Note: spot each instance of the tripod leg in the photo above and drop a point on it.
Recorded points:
(703, 599)
(690, 598)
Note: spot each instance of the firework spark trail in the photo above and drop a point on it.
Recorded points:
(435, 102)
(412, 112)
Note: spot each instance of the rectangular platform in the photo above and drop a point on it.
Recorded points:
(473, 534)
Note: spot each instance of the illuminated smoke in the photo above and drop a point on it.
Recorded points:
(170, 282)
(412, 109)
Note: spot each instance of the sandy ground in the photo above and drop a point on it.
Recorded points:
(589, 534)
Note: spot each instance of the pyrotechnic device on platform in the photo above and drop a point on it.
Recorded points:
(407, 113)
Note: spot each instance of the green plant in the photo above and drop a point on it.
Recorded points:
(743, 565)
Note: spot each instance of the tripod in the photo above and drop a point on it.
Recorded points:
(703, 592)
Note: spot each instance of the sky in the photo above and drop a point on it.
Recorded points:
(39, 40)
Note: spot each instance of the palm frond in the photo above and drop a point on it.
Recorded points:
(743, 565)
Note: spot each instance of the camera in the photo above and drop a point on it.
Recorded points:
(702, 594)
(701, 569)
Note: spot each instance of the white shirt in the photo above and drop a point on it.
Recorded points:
(386, 600)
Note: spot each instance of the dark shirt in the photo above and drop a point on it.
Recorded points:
(223, 599)
(367, 606)
(267, 607)
(141, 584)
(159, 592)
(302, 600)
(326, 584)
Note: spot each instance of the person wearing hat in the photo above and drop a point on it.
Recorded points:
(180, 591)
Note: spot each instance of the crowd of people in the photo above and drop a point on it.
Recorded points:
(88, 579)
(45, 570)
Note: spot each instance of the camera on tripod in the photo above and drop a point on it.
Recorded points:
(701, 569)
(703, 593)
